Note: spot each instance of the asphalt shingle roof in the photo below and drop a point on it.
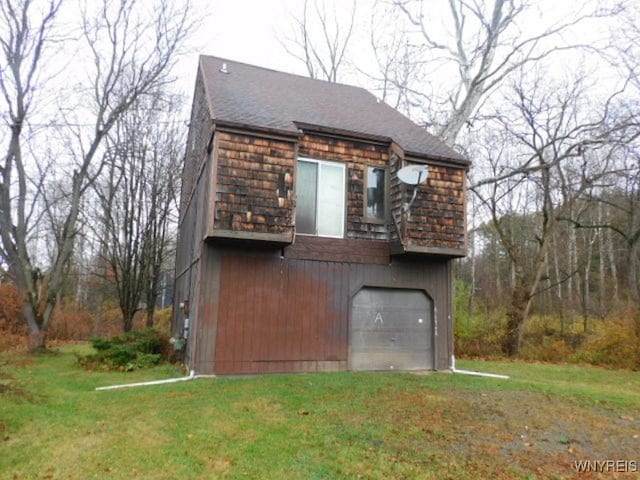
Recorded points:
(264, 98)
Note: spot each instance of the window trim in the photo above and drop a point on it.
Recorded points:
(344, 193)
(365, 216)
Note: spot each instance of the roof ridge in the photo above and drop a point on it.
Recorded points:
(299, 75)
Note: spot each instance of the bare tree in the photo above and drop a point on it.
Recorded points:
(163, 192)
(138, 201)
(481, 46)
(131, 55)
(560, 152)
(25, 32)
(621, 199)
(618, 200)
(320, 39)
(397, 65)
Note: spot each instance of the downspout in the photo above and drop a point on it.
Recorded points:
(473, 373)
(192, 375)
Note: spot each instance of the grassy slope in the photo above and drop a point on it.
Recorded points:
(53, 424)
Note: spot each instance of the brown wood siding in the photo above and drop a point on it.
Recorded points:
(266, 324)
(339, 250)
(356, 156)
(194, 198)
(192, 227)
(204, 318)
(279, 314)
(198, 138)
(254, 185)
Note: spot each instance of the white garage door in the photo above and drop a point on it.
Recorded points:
(391, 329)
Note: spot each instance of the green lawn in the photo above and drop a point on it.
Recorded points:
(54, 425)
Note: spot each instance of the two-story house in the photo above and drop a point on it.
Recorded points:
(300, 248)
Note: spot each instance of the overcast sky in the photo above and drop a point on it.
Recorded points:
(242, 30)
(251, 31)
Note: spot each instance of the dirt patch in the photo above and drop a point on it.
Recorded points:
(506, 431)
(543, 434)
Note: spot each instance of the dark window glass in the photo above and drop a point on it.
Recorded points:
(375, 207)
(306, 192)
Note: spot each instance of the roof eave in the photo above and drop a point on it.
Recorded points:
(227, 125)
(207, 93)
(382, 140)
(463, 162)
(338, 132)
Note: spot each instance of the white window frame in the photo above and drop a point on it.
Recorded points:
(344, 195)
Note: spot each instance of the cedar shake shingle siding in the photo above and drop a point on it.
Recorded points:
(254, 191)
(437, 217)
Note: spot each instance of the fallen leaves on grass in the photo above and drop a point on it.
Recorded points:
(524, 430)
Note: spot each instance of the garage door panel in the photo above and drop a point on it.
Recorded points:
(368, 297)
(386, 361)
(391, 329)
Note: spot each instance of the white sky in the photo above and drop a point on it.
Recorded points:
(242, 30)
(246, 30)
(249, 30)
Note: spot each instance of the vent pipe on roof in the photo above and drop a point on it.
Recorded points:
(224, 68)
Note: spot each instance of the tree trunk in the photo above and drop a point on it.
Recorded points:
(633, 279)
(473, 273)
(37, 341)
(586, 297)
(37, 335)
(515, 321)
(149, 322)
(602, 286)
(97, 322)
(557, 279)
(572, 266)
(523, 293)
(612, 266)
(127, 321)
(633, 275)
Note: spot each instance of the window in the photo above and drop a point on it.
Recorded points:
(374, 207)
(320, 192)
